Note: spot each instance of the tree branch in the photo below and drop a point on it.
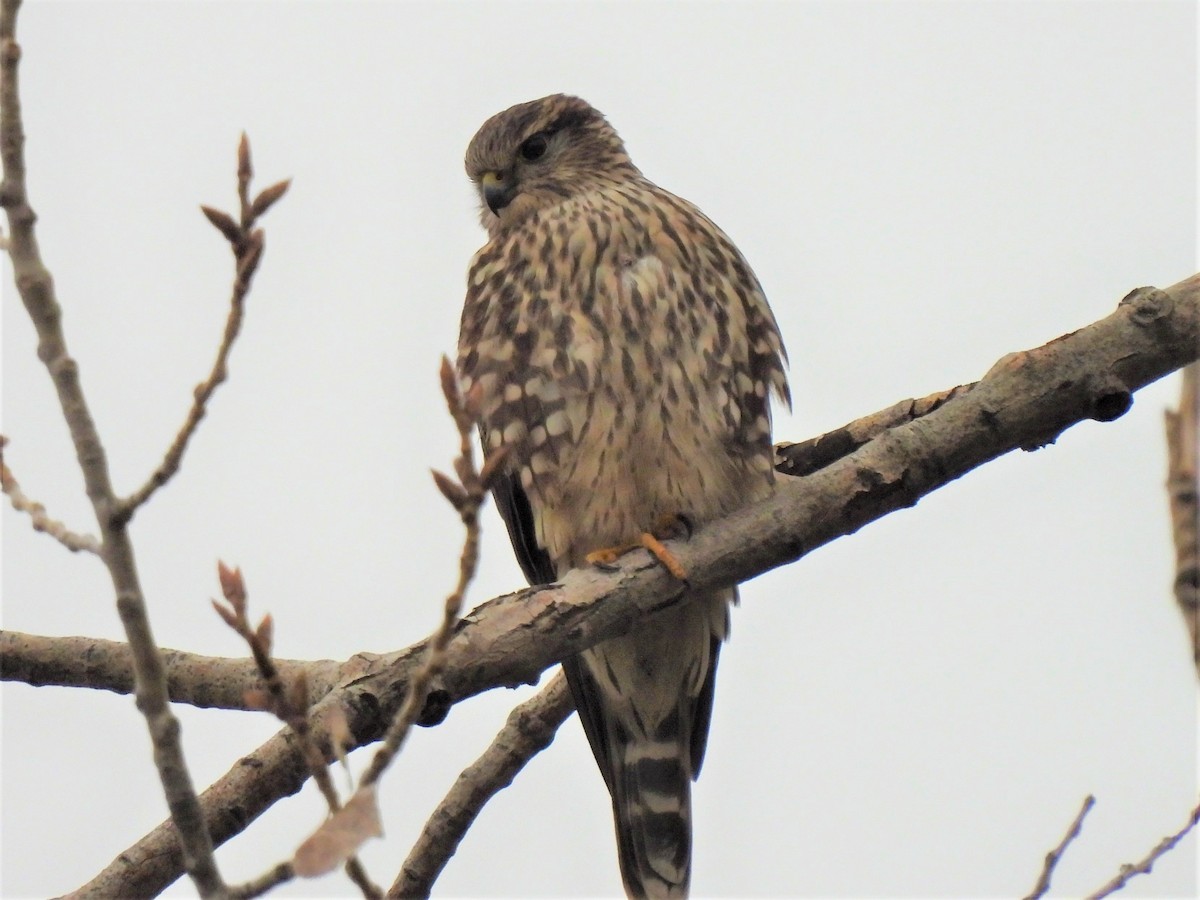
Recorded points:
(1146, 863)
(1025, 401)
(247, 244)
(528, 731)
(208, 682)
(38, 516)
(36, 288)
(1052, 858)
(1183, 493)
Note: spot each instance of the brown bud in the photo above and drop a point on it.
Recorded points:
(265, 633)
(493, 466)
(450, 489)
(245, 170)
(230, 619)
(267, 197)
(233, 586)
(223, 222)
(449, 385)
(473, 402)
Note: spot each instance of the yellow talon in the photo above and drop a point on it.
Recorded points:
(607, 556)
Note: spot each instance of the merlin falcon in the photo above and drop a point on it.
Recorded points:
(625, 355)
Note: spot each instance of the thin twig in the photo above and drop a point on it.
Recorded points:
(289, 703)
(529, 730)
(37, 512)
(1146, 863)
(467, 496)
(1052, 858)
(1183, 494)
(281, 874)
(36, 288)
(248, 244)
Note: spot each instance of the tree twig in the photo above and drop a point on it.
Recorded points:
(467, 496)
(37, 512)
(289, 702)
(1025, 401)
(1052, 858)
(36, 288)
(247, 243)
(529, 730)
(1146, 863)
(1183, 494)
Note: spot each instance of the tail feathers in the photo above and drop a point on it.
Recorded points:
(653, 813)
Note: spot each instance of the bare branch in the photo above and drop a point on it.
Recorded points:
(1146, 863)
(529, 730)
(37, 512)
(1052, 858)
(1183, 493)
(247, 245)
(806, 457)
(1026, 401)
(36, 287)
(467, 497)
(208, 682)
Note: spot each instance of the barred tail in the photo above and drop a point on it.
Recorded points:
(652, 808)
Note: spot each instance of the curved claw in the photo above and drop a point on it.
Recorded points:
(606, 557)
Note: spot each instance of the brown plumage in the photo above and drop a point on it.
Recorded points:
(626, 353)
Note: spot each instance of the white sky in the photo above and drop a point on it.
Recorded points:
(915, 711)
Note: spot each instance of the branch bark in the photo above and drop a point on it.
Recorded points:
(208, 682)
(1025, 401)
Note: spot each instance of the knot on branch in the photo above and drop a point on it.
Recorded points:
(437, 706)
(1110, 397)
(1149, 305)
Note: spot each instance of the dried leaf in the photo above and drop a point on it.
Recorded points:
(224, 223)
(265, 634)
(340, 836)
(450, 489)
(267, 197)
(233, 586)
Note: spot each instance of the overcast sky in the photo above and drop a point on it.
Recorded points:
(915, 711)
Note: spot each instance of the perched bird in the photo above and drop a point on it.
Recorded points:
(625, 354)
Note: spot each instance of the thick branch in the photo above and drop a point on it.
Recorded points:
(211, 682)
(1025, 401)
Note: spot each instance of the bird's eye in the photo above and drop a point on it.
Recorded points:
(534, 147)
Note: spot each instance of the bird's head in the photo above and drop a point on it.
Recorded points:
(537, 154)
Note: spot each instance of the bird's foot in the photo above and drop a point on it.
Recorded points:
(671, 526)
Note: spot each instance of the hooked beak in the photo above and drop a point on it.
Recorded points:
(498, 192)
